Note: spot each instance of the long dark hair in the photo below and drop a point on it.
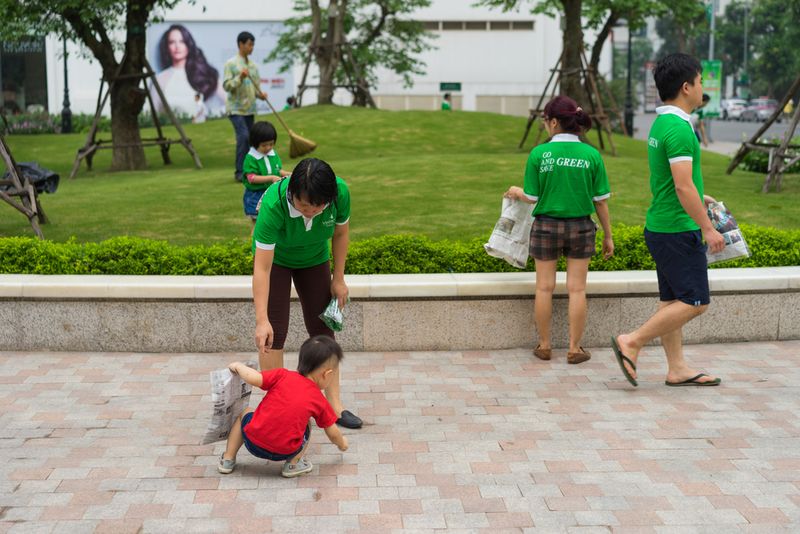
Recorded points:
(202, 77)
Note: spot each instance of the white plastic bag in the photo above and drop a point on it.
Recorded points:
(735, 245)
(510, 239)
(230, 395)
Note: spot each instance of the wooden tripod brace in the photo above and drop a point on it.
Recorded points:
(92, 144)
(28, 201)
(589, 83)
(780, 158)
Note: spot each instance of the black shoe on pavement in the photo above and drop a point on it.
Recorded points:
(349, 420)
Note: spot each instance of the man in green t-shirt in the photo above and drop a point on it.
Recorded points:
(298, 218)
(676, 225)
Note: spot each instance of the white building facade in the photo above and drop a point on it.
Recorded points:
(499, 62)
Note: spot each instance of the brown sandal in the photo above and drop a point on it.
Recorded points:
(542, 354)
(578, 357)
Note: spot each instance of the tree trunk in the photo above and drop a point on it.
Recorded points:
(572, 46)
(599, 42)
(327, 47)
(127, 100)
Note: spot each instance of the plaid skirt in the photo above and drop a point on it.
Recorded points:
(552, 237)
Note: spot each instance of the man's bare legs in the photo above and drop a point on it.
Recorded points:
(667, 323)
(273, 359)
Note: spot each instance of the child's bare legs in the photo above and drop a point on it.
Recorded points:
(543, 304)
(235, 438)
(273, 359)
(302, 453)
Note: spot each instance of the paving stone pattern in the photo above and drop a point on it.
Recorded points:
(460, 441)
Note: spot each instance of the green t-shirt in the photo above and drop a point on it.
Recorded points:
(263, 165)
(446, 105)
(565, 178)
(671, 140)
(298, 243)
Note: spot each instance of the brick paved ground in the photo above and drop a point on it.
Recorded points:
(463, 441)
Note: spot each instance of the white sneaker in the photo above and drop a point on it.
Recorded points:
(302, 467)
(226, 466)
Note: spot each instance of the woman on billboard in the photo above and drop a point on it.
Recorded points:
(184, 73)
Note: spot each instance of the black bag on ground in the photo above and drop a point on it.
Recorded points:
(44, 180)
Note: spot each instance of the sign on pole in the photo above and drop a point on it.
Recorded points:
(712, 85)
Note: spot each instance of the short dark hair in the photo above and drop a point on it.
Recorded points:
(313, 180)
(261, 132)
(706, 97)
(672, 71)
(243, 37)
(315, 351)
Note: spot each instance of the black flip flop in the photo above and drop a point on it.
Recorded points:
(621, 358)
(694, 382)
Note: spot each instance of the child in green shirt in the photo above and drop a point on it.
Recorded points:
(261, 168)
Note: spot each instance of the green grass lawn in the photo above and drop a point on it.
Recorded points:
(433, 173)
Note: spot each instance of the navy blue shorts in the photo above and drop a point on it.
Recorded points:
(250, 201)
(681, 266)
(258, 452)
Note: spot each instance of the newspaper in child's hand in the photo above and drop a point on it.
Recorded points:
(510, 239)
(230, 395)
(735, 245)
(333, 316)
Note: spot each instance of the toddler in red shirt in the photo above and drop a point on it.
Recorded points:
(278, 428)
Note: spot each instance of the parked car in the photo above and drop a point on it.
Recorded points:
(732, 108)
(760, 109)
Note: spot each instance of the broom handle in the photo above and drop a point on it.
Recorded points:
(257, 83)
(274, 111)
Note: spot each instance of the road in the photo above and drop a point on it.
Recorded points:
(725, 131)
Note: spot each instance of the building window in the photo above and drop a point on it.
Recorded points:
(23, 76)
(522, 25)
(478, 25)
(452, 25)
(475, 25)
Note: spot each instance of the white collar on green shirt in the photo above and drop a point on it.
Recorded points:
(565, 138)
(295, 214)
(673, 110)
(258, 155)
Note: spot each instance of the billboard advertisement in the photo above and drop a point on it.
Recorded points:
(189, 60)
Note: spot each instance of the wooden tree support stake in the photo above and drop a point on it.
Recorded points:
(92, 144)
(779, 157)
(22, 194)
(593, 97)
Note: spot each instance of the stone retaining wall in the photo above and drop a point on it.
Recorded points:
(387, 312)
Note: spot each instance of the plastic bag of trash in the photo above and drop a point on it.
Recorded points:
(333, 316)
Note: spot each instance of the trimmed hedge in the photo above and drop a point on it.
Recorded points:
(391, 254)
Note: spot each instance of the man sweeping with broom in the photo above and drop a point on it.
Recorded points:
(242, 83)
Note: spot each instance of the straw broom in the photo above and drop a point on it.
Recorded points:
(298, 145)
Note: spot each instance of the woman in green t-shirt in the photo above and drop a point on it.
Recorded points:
(567, 181)
(297, 219)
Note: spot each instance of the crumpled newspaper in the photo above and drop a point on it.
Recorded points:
(230, 395)
(510, 239)
(333, 316)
